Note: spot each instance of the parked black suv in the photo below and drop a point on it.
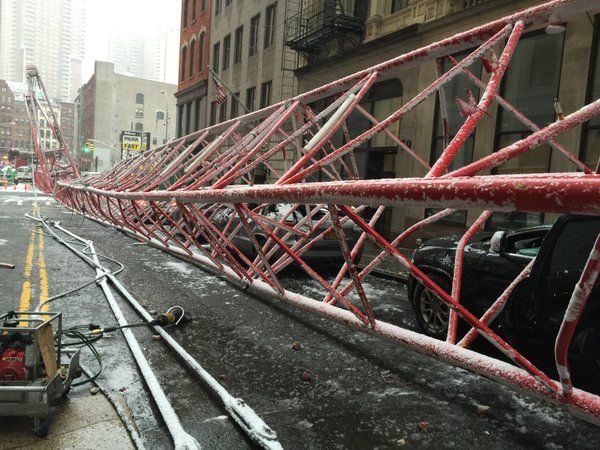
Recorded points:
(534, 312)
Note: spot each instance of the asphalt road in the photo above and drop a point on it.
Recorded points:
(363, 392)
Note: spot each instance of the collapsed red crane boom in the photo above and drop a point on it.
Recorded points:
(173, 195)
(54, 164)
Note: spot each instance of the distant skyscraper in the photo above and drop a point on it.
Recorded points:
(162, 60)
(47, 33)
(126, 52)
(149, 55)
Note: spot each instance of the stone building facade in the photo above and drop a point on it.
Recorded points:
(544, 67)
(110, 103)
(246, 53)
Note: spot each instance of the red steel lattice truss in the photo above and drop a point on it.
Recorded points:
(54, 164)
(171, 195)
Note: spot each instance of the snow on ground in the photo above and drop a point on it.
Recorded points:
(179, 266)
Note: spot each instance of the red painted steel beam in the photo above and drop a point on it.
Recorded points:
(581, 294)
(547, 193)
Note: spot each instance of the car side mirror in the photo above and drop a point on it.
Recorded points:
(497, 242)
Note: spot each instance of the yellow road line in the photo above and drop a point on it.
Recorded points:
(26, 290)
(42, 270)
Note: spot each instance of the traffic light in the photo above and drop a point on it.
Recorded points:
(87, 148)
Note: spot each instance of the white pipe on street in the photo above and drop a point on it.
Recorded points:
(181, 439)
(237, 408)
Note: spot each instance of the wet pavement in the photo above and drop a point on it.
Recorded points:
(363, 392)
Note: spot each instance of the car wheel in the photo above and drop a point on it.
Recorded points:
(431, 313)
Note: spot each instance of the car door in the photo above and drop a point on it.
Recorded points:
(557, 270)
(560, 267)
(494, 271)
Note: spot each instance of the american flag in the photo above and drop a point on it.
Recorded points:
(221, 95)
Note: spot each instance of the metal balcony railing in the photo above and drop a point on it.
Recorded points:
(322, 21)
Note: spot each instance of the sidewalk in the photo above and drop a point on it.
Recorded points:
(83, 422)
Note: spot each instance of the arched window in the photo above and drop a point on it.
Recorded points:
(139, 98)
(183, 57)
(160, 115)
(201, 52)
(186, 5)
(139, 126)
(192, 55)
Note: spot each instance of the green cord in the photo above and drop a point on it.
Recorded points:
(81, 340)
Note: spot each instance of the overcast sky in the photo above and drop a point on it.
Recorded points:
(144, 16)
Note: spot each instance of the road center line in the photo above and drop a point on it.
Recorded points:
(42, 270)
(26, 289)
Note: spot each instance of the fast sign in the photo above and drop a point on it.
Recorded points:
(131, 141)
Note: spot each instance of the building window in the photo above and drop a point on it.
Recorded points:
(180, 121)
(590, 139)
(183, 58)
(216, 51)
(139, 126)
(213, 112)
(194, 9)
(203, 5)
(265, 94)
(253, 43)
(192, 54)
(531, 86)
(197, 114)
(398, 5)
(139, 113)
(160, 115)
(237, 51)
(454, 89)
(234, 105)
(217, 7)
(227, 2)
(226, 51)
(270, 25)
(250, 96)
(201, 51)
(188, 114)
(223, 112)
(186, 5)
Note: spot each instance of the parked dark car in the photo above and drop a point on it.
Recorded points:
(326, 250)
(487, 271)
(534, 312)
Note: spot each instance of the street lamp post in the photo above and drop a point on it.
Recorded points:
(166, 114)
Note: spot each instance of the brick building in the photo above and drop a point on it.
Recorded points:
(15, 132)
(193, 61)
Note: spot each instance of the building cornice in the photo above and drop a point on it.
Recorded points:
(193, 92)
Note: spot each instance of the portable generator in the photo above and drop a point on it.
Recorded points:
(35, 372)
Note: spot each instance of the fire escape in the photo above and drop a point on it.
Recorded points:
(318, 25)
